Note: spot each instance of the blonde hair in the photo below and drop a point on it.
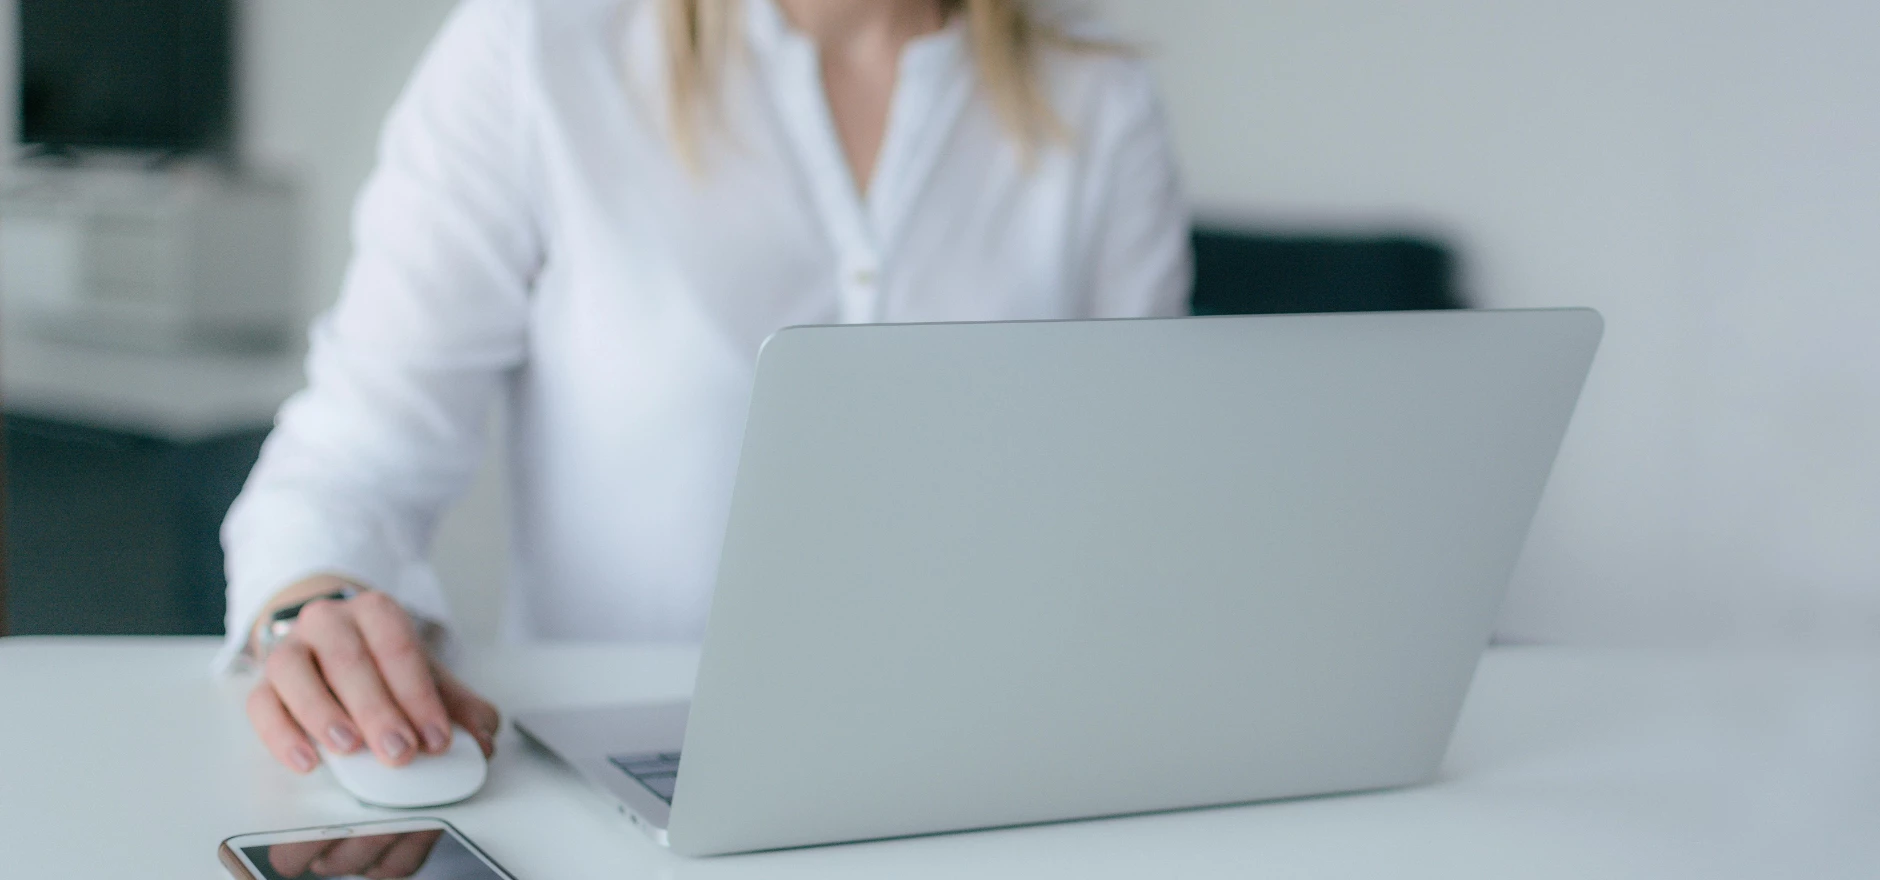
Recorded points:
(1007, 38)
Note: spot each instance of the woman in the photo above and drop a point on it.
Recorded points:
(597, 210)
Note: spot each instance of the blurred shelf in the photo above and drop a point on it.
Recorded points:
(181, 397)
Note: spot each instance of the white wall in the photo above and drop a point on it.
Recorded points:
(1706, 174)
(317, 79)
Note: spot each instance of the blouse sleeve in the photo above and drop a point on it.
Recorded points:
(401, 372)
(1139, 258)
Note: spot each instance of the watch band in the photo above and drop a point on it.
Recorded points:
(281, 621)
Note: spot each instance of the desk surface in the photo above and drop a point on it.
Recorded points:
(123, 757)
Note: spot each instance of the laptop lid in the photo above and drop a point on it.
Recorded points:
(980, 575)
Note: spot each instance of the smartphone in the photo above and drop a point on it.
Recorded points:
(418, 848)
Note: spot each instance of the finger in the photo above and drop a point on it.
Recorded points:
(293, 859)
(290, 668)
(466, 708)
(332, 631)
(404, 665)
(283, 738)
(406, 856)
(353, 855)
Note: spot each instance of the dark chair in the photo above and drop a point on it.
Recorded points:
(1245, 272)
(3, 533)
(113, 531)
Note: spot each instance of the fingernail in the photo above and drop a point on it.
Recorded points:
(435, 737)
(343, 737)
(395, 744)
(302, 758)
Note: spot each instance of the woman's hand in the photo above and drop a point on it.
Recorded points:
(355, 673)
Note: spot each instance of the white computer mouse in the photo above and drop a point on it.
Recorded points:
(428, 781)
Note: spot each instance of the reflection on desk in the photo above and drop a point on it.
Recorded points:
(122, 757)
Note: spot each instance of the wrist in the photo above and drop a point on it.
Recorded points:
(293, 597)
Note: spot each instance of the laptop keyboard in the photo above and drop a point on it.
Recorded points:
(657, 771)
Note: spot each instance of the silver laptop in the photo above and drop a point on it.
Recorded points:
(982, 575)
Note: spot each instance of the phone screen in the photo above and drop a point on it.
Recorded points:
(428, 855)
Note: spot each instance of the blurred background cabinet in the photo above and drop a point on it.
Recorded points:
(183, 257)
(119, 468)
(115, 531)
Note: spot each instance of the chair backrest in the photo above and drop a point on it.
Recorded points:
(1247, 272)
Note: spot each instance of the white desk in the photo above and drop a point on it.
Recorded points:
(1568, 763)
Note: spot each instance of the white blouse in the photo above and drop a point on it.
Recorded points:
(530, 234)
